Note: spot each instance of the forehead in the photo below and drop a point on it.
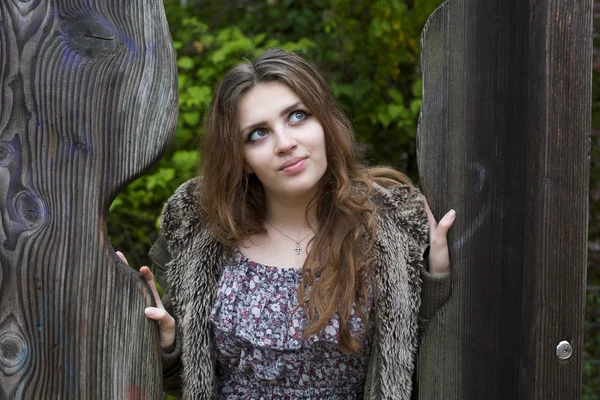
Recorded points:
(264, 102)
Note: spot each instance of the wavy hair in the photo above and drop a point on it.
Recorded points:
(336, 274)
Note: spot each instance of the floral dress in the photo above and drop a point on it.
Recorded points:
(259, 347)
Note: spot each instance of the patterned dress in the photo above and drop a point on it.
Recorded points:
(258, 334)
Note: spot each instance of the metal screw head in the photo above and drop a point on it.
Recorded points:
(564, 350)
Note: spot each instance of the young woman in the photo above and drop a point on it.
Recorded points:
(292, 271)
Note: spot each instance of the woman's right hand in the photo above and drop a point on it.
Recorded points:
(165, 321)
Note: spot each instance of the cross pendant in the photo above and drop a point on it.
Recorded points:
(297, 248)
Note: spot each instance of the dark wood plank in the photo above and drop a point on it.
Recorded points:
(503, 139)
(88, 102)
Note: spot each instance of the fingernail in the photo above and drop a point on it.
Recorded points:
(451, 214)
(149, 312)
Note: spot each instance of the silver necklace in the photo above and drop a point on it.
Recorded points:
(298, 248)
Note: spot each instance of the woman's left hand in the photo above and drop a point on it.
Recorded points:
(439, 257)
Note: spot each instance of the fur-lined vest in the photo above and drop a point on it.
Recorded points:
(187, 262)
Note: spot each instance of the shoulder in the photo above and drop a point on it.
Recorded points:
(183, 212)
(402, 207)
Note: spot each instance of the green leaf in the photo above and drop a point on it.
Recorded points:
(259, 38)
(417, 88)
(208, 40)
(191, 118)
(207, 74)
(185, 63)
(198, 95)
(405, 113)
(384, 118)
(183, 135)
(396, 95)
(183, 81)
(161, 178)
(185, 160)
(394, 110)
(415, 106)
(340, 90)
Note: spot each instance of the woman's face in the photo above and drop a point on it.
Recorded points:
(284, 145)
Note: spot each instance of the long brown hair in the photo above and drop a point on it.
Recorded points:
(336, 271)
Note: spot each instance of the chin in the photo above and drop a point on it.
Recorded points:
(305, 188)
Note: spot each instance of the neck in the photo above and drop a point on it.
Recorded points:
(290, 214)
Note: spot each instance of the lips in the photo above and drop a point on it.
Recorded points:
(291, 163)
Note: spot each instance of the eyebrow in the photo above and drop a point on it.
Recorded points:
(283, 112)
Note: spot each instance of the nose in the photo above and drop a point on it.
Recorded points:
(284, 141)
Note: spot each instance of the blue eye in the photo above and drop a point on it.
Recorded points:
(297, 116)
(257, 134)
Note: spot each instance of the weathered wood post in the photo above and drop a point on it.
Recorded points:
(87, 102)
(504, 139)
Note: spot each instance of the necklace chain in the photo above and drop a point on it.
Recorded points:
(298, 248)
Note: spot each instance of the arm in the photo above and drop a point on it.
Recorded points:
(435, 292)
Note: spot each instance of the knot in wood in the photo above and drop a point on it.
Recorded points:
(29, 209)
(13, 351)
(90, 36)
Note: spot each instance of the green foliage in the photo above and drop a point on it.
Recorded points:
(375, 53)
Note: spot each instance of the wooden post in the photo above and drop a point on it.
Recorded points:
(87, 102)
(504, 139)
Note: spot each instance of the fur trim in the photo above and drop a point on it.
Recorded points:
(402, 236)
(193, 275)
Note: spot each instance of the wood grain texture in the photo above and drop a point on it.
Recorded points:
(88, 102)
(504, 140)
